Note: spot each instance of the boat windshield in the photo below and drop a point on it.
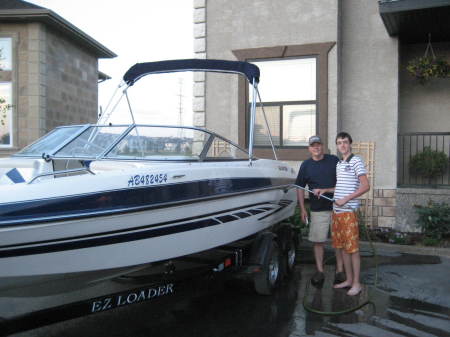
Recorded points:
(51, 141)
(93, 142)
(136, 142)
(160, 143)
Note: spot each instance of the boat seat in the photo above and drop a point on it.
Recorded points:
(19, 170)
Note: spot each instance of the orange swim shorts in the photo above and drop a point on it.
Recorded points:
(345, 231)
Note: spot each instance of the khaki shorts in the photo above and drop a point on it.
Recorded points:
(319, 225)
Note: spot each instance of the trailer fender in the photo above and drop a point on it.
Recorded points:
(261, 249)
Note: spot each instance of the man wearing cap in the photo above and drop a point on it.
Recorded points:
(319, 173)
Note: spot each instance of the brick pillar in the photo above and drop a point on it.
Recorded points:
(384, 207)
(200, 52)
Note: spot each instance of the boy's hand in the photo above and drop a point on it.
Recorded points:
(341, 202)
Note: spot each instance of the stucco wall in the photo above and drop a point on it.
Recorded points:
(71, 83)
(423, 108)
(365, 63)
(234, 25)
(369, 85)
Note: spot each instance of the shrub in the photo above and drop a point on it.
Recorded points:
(296, 220)
(430, 241)
(434, 219)
(399, 238)
(428, 163)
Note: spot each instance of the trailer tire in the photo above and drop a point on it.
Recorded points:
(268, 278)
(287, 239)
(289, 257)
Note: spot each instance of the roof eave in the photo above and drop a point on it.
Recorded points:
(414, 20)
(54, 20)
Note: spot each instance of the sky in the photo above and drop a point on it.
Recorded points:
(138, 31)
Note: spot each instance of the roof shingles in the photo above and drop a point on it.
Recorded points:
(18, 4)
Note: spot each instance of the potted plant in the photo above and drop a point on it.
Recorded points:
(429, 164)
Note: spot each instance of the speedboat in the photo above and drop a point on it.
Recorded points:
(90, 202)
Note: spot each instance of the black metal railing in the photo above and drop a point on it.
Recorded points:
(409, 144)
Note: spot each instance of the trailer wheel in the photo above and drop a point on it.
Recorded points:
(267, 280)
(290, 257)
(288, 241)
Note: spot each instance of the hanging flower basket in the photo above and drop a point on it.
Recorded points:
(426, 68)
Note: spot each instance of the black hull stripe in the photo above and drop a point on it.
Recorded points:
(133, 229)
(116, 239)
(283, 204)
(129, 200)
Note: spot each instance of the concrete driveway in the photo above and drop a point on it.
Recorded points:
(412, 299)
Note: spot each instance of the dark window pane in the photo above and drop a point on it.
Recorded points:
(299, 123)
(261, 132)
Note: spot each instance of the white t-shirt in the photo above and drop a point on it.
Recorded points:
(347, 181)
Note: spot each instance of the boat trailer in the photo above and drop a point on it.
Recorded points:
(264, 259)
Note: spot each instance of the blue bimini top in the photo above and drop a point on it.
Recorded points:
(139, 70)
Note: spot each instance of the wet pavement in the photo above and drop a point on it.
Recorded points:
(412, 299)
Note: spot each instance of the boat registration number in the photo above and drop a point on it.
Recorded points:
(147, 179)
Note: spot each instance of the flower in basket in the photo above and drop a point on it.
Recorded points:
(425, 68)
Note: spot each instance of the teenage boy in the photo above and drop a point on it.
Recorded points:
(319, 173)
(351, 182)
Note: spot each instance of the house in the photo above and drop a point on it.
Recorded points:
(48, 74)
(330, 66)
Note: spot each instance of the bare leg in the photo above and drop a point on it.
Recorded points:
(318, 255)
(356, 264)
(348, 271)
(339, 261)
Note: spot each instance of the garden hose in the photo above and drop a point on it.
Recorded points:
(373, 254)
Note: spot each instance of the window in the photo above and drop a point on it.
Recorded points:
(5, 53)
(288, 91)
(5, 92)
(299, 101)
(5, 114)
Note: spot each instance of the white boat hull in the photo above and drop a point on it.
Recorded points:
(115, 244)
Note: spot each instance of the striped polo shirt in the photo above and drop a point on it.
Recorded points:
(347, 181)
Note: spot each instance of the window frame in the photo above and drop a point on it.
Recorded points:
(318, 50)
(282, 103)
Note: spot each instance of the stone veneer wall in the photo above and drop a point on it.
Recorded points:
(28, 88)
(406, 217)
(200, 53)
(71, 83)
(54, 82)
